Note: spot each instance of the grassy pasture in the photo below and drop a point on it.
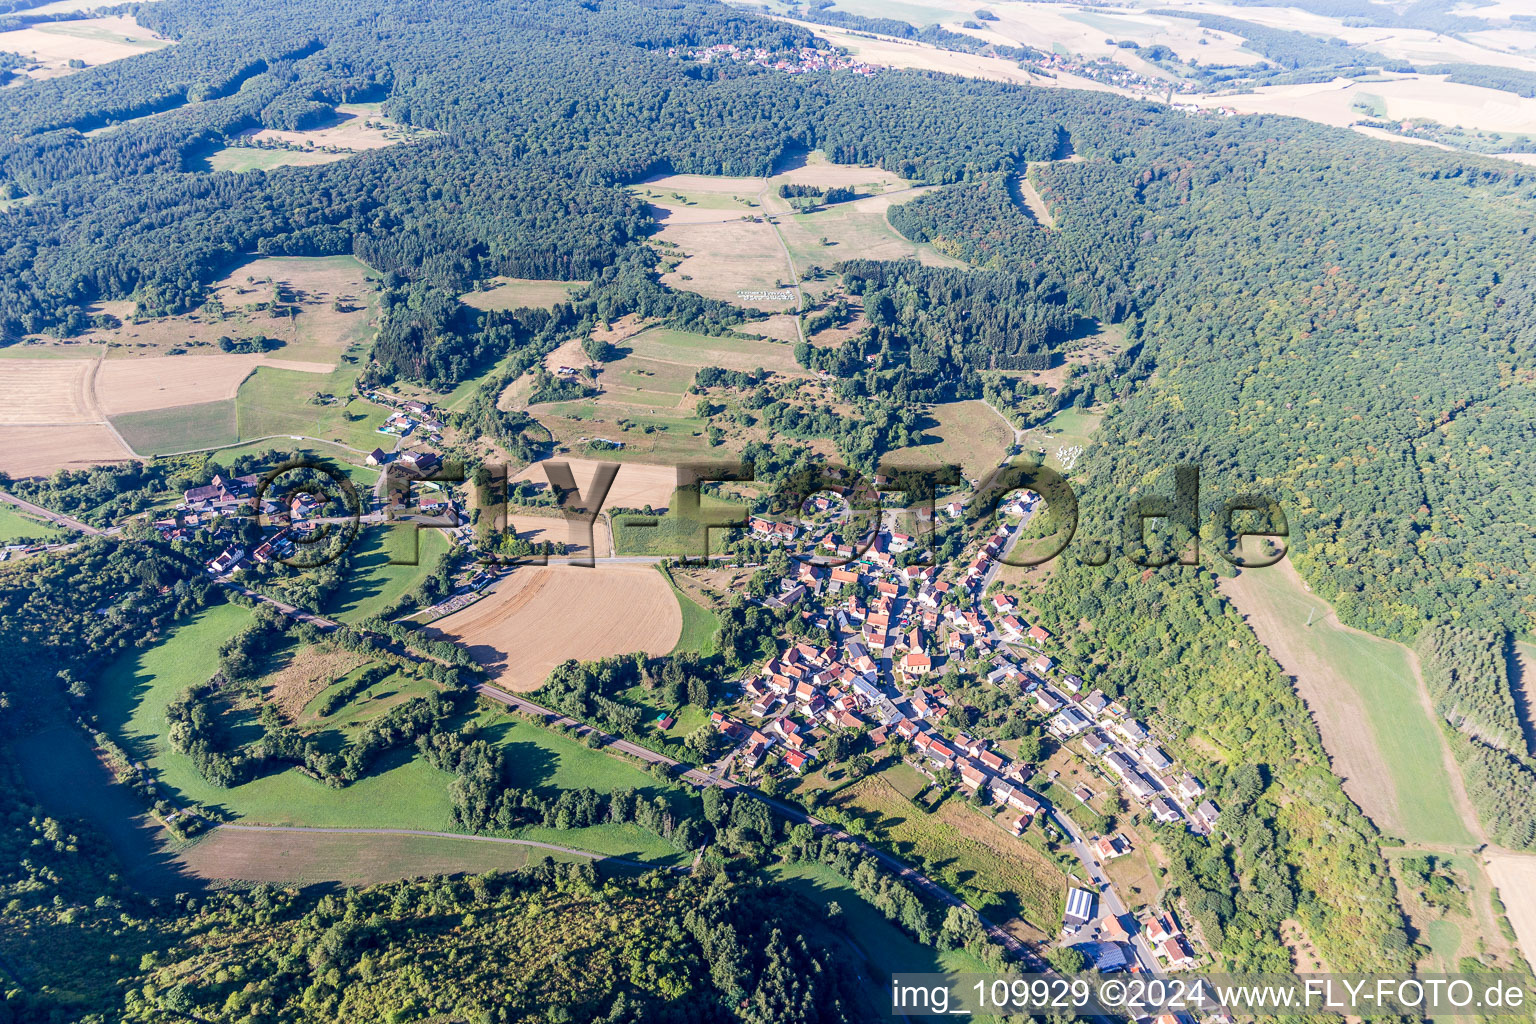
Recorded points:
(240, 159)
(307, 858)
(516, 292)
(964, 848)
(180, 428)
(16, 525)
(277, 402)
(403, 792)
(967, 434)
(699, 624)
(1368, 701)
(665, 344)
(1067, 429)
(374, 582)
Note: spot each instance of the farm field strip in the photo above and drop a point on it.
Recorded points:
(543, 615)
(1365, 695)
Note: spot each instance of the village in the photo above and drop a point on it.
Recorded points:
(898, 626)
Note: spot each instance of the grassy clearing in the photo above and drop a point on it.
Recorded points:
(239, 159)
(964, 849)
(967, 434)
(665, 344)
(517, 292)
(700, 625)
(403, 792)
(179, 429)
(16, 525)
(307, 858)
(1057, 436)
(1367, 700)
(374, 584)
(886, 948)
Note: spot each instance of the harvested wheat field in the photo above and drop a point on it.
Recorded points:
(636, 485)
(90, 40)
(46, 391)
(543, 615)
(736, 261)
(558, 530)
(39, 451)
(1515, 876)
(164, 382)
(161, 382)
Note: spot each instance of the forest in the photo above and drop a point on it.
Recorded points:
(1284, 335)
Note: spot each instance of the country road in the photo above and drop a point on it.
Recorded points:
(701, 778)
(1029, 959)
(595, 857)
(53, 517)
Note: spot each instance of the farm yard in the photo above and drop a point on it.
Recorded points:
(541, 616)
(1369, 705)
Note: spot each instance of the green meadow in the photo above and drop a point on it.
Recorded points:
(402, 792)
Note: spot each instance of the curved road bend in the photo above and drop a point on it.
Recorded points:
(596, 857)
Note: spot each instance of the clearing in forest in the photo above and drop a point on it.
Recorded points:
(543, 615)
(965, 434)
(1368, 702)
(516, 292)
(353, 128)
